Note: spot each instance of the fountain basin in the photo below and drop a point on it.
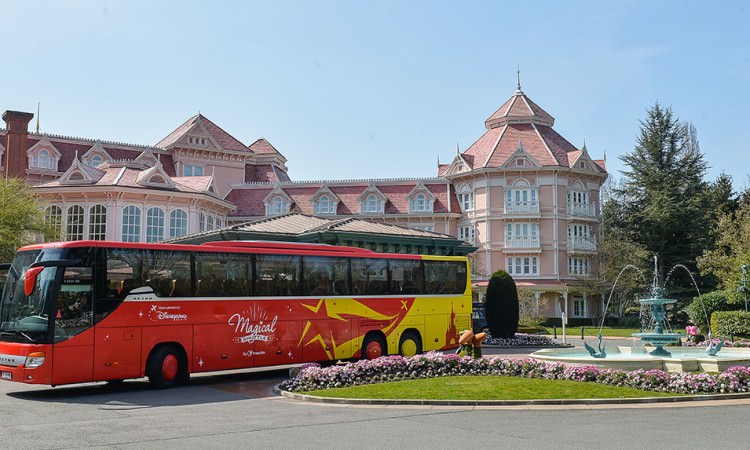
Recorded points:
(682, 359)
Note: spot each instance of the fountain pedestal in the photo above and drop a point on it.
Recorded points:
(658, 338)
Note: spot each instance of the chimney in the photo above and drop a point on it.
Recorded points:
(17, 126)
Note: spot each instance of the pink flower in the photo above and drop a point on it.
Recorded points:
(691, 330)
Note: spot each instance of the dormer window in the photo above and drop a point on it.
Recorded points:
(520, 163)
(324, 205)
(371, 204)
(420, 203)
(276, 206)
(95, 161)
(42, 160)
(582, 165)
(189, 170)
(199, 141)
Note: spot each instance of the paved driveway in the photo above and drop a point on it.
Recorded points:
(240, 411)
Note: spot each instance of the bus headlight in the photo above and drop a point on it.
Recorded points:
(35, 359)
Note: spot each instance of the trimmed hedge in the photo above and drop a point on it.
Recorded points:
(725, 323)
(501, 305)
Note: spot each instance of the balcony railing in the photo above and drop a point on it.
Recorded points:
(582, 209)
(522, 242)
(521, 207)
(582, 243)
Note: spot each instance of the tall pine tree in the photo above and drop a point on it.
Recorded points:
(661, 201)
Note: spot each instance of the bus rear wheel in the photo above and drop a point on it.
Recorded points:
(410, 344)
(373, 347)
(166, 367)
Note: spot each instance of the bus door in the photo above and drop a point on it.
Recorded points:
(73, 355)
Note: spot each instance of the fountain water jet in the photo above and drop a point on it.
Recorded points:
(683, 359)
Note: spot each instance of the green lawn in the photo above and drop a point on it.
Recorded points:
(486, 388)
(592, 331)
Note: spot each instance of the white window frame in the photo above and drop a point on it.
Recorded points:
(98, 223)
(522, 265)
(325, 205)
(155, 224)
(192, 170)
(466, 198)
(371, 204)
(131, 223)
(178, 223)
(75, 221)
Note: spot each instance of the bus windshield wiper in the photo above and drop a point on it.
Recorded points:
(17, 333)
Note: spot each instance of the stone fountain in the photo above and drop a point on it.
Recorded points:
(679, 359)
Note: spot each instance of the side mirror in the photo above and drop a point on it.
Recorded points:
(30, 280)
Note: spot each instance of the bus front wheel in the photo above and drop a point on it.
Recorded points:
(166, 367)
(410, 344)
(373, 347)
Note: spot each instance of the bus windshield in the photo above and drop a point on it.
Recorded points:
(26, 318)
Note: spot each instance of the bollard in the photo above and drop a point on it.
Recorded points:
(554, 330)
(581, 333)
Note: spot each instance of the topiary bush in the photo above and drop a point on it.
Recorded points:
(502, 305)
(726, 323)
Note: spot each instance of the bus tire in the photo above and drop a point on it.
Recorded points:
(166, 367)
(374, 346)
(410, 344)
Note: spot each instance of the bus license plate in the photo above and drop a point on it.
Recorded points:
(7, 376)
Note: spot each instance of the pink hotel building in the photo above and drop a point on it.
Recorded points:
(526, 197)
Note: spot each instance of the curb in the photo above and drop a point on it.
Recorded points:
(585, 401)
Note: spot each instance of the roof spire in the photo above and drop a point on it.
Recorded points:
(584, 149)
(458, 152)
(37, 116)
(518, 79)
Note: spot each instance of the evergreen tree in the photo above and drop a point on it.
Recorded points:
(661, 202)
(502, 305)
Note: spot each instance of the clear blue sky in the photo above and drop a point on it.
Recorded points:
(380, 89)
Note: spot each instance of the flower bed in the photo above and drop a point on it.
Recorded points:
(396, 368)
(523, 340)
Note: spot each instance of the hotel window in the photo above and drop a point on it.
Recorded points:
(43, 160)
(154, 225)
(579, 307)
(371, 204)
(201, 222)
(199, 141)
(324, 205)
(522, 231)
(95, 161)
(523, 265)
(189, 170)
(131, 224)
(74, 225)
(466, 233)
(53, 216)
(275, 206)
(98, 222)
(579, 230)
(177, 223)
(578, 266)
(210, 223)
(466, 198)
(418, 226)
(419, 203)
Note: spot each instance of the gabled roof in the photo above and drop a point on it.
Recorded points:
(262, 146)
(224, 140)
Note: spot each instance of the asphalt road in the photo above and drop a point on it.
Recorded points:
(239, 410)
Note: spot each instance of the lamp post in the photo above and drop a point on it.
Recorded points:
(744, 283)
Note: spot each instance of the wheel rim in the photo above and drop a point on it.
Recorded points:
(408, 347)
(169, 367)
(373, 350)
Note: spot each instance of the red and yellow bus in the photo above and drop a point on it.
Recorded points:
(85, 311)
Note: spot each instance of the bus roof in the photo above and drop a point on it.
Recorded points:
(266, 247)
